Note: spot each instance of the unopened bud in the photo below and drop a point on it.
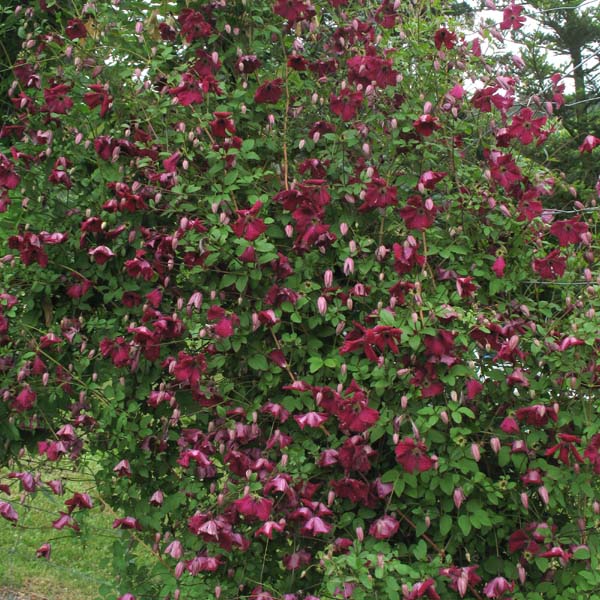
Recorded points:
(322, 305)
(495, 445)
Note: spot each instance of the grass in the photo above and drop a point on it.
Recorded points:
(79, 563)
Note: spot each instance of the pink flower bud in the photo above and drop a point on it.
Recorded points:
(596, 507)
(444, 417)
(352, 246)
(360, 534)
(428, 521)
(322, 305)
(459, 497)
(544, 497)
(348, 266)
(139, 27)
(330, 497)
(521, 572)
(45, 378)
(343, 228)
(495, 445)
(179, 569)
(525, 500)
(328, 278)
(476, 452)
(217, 591)
(289, 230)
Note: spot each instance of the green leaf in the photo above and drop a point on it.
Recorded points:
(445, 524)
(464, 523)
(258, 362)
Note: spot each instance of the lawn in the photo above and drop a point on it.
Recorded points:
(79, 564)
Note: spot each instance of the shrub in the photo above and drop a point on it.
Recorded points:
(284, 268)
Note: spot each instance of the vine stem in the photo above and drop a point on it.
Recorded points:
(287, 366)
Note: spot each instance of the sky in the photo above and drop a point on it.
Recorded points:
(562, 62)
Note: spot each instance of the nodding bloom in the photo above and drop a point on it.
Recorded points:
(222, 124)
(346, 105)
(497, 587)
(412, 456)
(589, 143)
(379, 337)
(569, 231)
(444, 37)
(383, 528)
(418, 214)
(551, 267)
(425, 125)
(269, 92)
(461, 578)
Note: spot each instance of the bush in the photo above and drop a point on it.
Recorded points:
(284, 268)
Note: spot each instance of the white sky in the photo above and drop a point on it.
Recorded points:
(562, 62)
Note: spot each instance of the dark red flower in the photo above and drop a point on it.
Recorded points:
(536, 415)
(127, 523)
(412, 456)
(497, 587)
(8, 178)
(425, 125)
(248, 225)
(551, 266)
(75, 29)
(248, 64)
(193, 25)
(565, 447)
(418, 214)
(592, 452)
(406, 256)
(99, 96)
(222, 124)
(189, 90)
(8, 512)
(346, 104)
(569, 231)
(424, 588)
(444, 37)
(378, 195)
(293, 10)
(57, 100)
(504, 170)
(384, 528)
(589, 143)
(269, 92)
(101, 254)
(512, 18)
(524, 127)
(379, 337)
